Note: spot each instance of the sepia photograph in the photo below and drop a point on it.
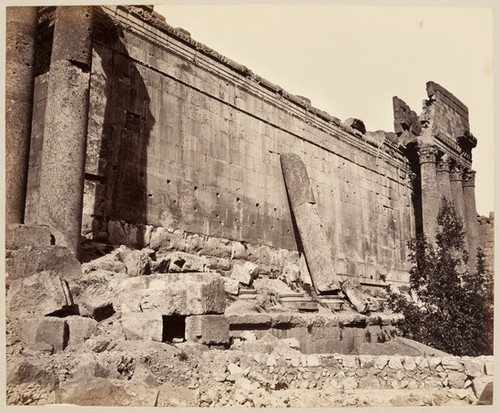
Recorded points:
(259, 205)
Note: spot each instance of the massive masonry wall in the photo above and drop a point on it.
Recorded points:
(182, 138)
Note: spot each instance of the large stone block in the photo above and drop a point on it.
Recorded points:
(40, 294)
(207, 329)
(142, 326)
(19, 235)
(184, 294)
(80, 329)
(29, 260)
(53, 331)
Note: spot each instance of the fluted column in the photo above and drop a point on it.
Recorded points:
(471, 216)
(443, 177)
(431, 199)
(64, 139)
(20, 56)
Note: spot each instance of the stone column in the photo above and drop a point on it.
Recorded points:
(471, 224)
(64, 141)
(431, 199)
(20, 57)
(457, 193)
(443, 177)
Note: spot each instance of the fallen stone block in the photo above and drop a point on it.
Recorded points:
(27, 331)
(231, 286)
(80, 329)
(207, 329)
(21, 235)
(41, 293)
(184, 262)
(184, 294)
(54, 259)
(142, 326)
(355, 296)
(53, 331)
(245, 273)
(136, 262)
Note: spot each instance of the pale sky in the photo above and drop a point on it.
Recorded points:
(351, 60)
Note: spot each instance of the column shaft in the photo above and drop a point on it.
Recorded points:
(20, 56)
(64, 142)
(457, 194)
(443, 179)
(471, 217)
(431, 200)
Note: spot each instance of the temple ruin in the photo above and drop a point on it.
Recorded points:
(135, 150)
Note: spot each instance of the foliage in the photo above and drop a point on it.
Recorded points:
(453, 311)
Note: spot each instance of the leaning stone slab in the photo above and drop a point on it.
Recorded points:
(312, 234)
(207, 329)
(184, 294)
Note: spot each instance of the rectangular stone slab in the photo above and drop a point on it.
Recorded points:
(312, 235)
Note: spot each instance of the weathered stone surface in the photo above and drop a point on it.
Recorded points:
(65, 127)
(316, 246)
(106, 392)
(355, 296)
(142, 326)
(253, 319)
(184, 294)
(456, 379)
(185, 262)
(244, 273)
(53, 331)
(357, 124)
(21, 25)
(20, 235)
(207, 329)
(55, 259)
(136, 262)
(231, 286)
(26, 372)
(41, 294)
(80, 329)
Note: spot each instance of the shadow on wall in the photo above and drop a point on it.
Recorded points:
(120, 123)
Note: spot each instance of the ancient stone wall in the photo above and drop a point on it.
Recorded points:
(182, 138)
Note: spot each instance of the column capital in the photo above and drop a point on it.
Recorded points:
(456, 173)
(427, 153)
(443, 164)
(469, 178)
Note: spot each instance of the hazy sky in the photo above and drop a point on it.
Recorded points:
(351, 60)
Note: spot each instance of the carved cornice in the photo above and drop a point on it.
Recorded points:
(469, 178)
(427, 154)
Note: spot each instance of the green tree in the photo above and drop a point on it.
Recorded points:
(454, 308)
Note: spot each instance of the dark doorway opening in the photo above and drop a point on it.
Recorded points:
(174, 327)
